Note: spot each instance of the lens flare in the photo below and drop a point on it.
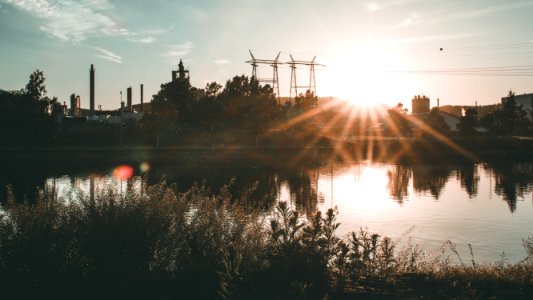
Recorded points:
(144, 167)
(123, 172)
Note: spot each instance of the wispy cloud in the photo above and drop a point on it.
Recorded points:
(106, 54)
(177, 51)
(158, 31)
(72, 20)
(221, 62)
(145, 40)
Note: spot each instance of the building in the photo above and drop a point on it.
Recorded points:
(451, 120)
(91, 90)
(421, 110)
(420, 105)
(181, 75)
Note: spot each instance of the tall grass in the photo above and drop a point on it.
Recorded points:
(200, 244)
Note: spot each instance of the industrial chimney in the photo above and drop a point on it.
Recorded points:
(142, 87)
(91, 92)
(128, 99)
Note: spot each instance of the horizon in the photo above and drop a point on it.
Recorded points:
(375, 52)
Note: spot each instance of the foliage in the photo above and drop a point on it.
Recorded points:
(246, 103)
(173, 100)
(242, 103)
(163, 244)
(468, 122)
(27, 115)
(398, 124)
(510, 119)
(305, 102)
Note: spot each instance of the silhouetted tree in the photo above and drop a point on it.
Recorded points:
(173, 100)
(398, 124)
(35, 86)
(468, 122)
(26, 115)
(306, 101)
(247, 104)
(213, 89)
(510, 119)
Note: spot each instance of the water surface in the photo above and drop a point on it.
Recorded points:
(487, 204)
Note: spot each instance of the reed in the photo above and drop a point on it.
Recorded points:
(200, 244)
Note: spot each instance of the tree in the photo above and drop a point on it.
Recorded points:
(35, 86)
(173, 100)
(468, 122)
(213, 89)
(510, 119)
(306, 101)
(246, 103)
(398, 124)
(26, 115)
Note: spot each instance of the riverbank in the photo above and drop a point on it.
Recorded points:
(358, 147)
(162, 244)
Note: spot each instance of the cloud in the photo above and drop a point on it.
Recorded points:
(178, 50)
(106, 54)
(146, 40)
(72, 20)
(158, 31)
(221, 62)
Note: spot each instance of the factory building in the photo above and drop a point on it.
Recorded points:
(420, 105)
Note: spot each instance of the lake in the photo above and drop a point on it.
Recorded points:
(488, 205)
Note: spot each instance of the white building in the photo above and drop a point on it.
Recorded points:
(451, 120)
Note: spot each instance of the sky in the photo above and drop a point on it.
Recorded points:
(460, 52)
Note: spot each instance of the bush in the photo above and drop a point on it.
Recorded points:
(164, 244)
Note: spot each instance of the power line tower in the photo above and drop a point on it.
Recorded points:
(274, 63)
(312, 81)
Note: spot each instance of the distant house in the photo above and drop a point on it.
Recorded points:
(451, 120)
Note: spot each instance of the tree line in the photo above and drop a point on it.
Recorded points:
(30, 116)
(509, 119)
(27, 115)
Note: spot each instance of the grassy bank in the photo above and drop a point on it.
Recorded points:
(167, 245)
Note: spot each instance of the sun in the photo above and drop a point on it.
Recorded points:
(363, 74)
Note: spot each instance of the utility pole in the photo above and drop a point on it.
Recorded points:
(274, 63)
(312, 80)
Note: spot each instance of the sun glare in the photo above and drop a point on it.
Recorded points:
(362, 74)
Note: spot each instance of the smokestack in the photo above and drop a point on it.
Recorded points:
(438, 103)
(73, 105)
(142, 87)
(91, 92)
(128, 99)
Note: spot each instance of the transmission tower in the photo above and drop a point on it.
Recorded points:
(312, 81)
(274, 81)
